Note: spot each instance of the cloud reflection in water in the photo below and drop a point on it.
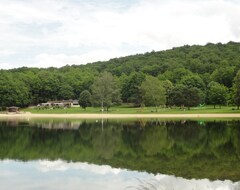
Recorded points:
(44, 174)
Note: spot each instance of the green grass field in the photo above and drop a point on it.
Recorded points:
(133, 110)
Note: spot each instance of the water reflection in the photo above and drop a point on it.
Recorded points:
(58, 174)
(188, 149)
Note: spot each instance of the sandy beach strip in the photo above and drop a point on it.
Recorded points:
(118, 116)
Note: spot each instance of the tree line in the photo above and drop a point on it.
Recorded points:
(186, 76)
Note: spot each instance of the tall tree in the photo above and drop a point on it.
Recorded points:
(153, 92)
(168, 85)
(65, 92)
(175, 75)
(224, 75)
(131, 88)
(85, 99)
(185, 96)
(105, 91)
(49, 87)
(12, 91)
(193, 81)
(236, 89)
(216, 94)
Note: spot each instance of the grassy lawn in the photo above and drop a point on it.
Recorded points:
(132, 110)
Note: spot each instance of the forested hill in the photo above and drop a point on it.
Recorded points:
(197, 59)
(212, 62)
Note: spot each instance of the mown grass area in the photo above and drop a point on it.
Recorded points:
(133, 110)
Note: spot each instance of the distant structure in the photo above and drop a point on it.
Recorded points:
(60, 104)
(13, 109)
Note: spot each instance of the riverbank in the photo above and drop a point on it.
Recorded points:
(119, 116)
(136, 110)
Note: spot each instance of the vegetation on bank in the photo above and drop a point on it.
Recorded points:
(187, 76)
(134, 110)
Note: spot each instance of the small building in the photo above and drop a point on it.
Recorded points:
(58, 105)
(75, 103)
(13, 109)
(45, 104)
(67, 103)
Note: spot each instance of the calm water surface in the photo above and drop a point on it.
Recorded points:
(119, 154)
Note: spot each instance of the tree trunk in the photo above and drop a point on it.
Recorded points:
(102, 106)
(156, 108)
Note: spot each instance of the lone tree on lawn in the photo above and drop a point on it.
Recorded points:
(105, 91)
(153, 92)
(85, 99)
(217, 94)
(236, 89)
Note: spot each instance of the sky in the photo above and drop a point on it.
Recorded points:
(55, 33)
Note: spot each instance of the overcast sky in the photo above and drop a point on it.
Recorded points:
(44, 33)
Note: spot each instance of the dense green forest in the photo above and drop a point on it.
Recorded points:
(189, 149)
(188, 76)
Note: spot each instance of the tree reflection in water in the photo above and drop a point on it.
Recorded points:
(188, 149)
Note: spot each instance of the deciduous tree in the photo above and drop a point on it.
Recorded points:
(105, 91)
(236, 89)
(216, 94)
(153, 92)
(85, 99)
(185, 96)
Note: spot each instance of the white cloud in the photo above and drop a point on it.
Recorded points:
(59, 165)
(4, 65)
(6, 52)
(44, 174)
(59, 60)
(77, 32)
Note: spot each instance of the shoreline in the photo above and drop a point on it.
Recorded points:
(118, 116)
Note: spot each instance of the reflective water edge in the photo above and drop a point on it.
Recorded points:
(136, 154)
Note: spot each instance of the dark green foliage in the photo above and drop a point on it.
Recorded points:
(185, 96)
(176, 96)
(193, 81)
(65, 92)
(131, 91)
(49, 87)
(175, 75)
(236, 89)
(85, 99)
(194, 97)
(13, 91)
(224, 75)
(216, 94)
(193, 66)
(168, 86)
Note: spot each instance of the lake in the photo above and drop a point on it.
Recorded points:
(120, 154)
